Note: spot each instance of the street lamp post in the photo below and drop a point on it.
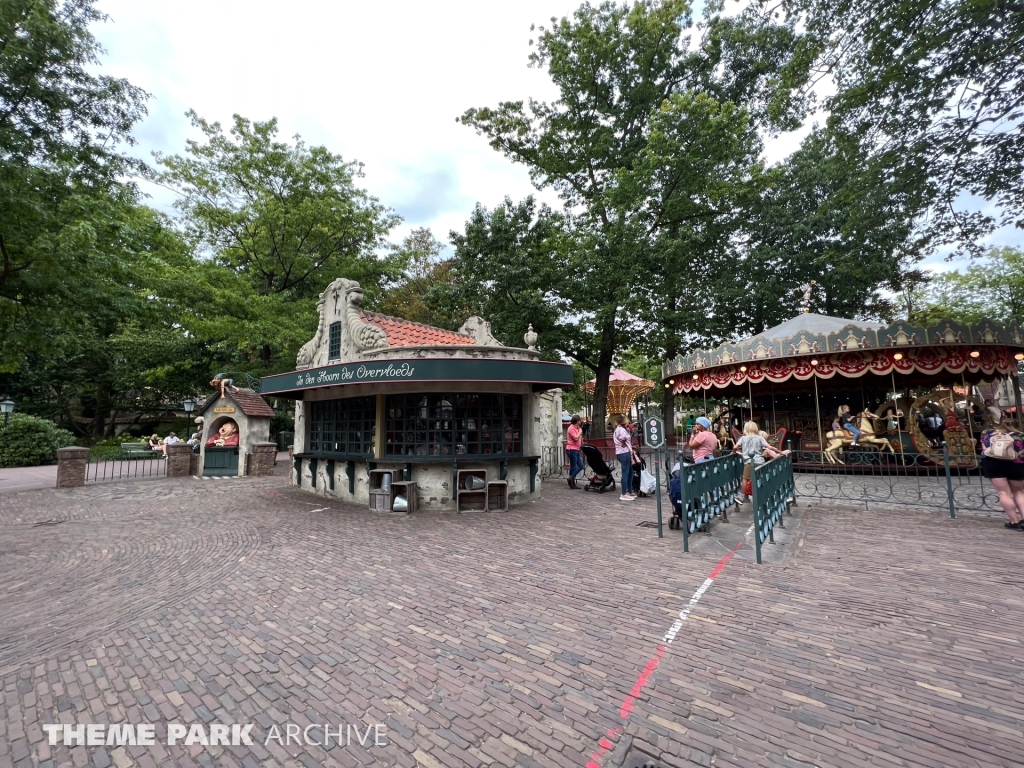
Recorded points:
(7, 406)
(189, 405)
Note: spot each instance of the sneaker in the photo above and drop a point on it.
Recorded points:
(625, 498)
(741, 499)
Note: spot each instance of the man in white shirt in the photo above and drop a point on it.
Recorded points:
(171, 439)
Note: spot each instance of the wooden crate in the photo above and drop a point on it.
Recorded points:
(381, 501)
(377, 477)
(464, 473)
(472, 500)
(405, 488)
(497, 495)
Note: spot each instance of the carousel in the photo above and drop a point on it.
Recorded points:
(911, 388)
(623, 390)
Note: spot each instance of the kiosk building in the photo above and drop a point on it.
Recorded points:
(383, 403)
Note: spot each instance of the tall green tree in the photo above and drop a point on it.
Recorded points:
(992, 289)
(424, 292)
(275, 223)
(633, 93)
(61, 129)
(932, 89)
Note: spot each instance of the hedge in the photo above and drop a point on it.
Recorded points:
(28, 441)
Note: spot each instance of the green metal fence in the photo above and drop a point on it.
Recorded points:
(707, 491)
(774, 491)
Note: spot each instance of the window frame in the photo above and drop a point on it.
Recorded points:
(497, 421)
(352, 419)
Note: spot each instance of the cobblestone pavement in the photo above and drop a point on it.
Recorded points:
(519, 639)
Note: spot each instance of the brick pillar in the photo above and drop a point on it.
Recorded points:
(193, 465)
(71, 463)
(179, 460)
(261, 461)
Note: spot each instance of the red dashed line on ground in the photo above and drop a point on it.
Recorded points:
(607, 742)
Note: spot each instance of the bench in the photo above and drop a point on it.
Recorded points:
(135, 450)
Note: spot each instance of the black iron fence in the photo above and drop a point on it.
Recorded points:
(103, 470)
(947, 482)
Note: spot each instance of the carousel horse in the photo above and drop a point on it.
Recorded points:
(842, 438)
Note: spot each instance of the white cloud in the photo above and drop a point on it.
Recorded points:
(378, 82)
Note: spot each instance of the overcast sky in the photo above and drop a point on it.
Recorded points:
(378, 82)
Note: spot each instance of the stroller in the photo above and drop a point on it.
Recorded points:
(602, 479)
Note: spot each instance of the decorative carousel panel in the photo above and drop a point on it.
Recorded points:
(762, 349)
(949, 332)
(902, 334)
(987, 332)
(727, 353)
(805, 343)
(852, 337)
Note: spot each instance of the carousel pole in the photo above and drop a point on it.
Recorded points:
(775, 422)
(817, 411)
(967, 396)
(896, 413)
(750, 399)
(1016, 399)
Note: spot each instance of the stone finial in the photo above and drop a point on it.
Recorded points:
(530, 337)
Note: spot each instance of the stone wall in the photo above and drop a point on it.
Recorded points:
(433, 481)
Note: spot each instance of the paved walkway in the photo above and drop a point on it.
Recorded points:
(16, 479)
(533, 638)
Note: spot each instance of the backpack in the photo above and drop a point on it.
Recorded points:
(1001, 446)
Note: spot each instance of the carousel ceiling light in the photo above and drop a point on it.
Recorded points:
(898, 356)
(975, 353)
(743, 368)
(814, 362)
(1019, 356)
(695, 377)
(667, 386)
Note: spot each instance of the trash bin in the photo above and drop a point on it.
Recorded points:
(284, 439)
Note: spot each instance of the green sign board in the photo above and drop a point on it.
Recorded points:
(654, 432)
(431, 369)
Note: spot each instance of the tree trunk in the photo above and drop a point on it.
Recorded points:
(265, 353)
(111, 425)
(668, 396)
(604, 370)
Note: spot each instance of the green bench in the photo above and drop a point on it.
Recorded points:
(137, 451)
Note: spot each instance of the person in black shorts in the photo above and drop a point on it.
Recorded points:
(1006, 474)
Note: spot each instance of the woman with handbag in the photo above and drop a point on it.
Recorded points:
(751, 447)
(624, 453)
(1002, 462)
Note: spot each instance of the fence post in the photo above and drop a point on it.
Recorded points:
(179, 460)
(71, 464)
(949, 480)
(683, 496)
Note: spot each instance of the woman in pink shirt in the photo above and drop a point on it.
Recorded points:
(704, 443)
(573, 446)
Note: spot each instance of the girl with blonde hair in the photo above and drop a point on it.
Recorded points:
(751, 447)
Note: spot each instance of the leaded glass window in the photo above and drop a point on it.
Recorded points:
(343, 427)
(334, 342)
(472, 425)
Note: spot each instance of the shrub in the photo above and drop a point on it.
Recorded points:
(28, 441)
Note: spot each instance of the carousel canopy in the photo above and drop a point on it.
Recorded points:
(812, 346)
(623, 388)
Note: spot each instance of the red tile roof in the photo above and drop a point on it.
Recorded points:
(404, 333)
(250, 403)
